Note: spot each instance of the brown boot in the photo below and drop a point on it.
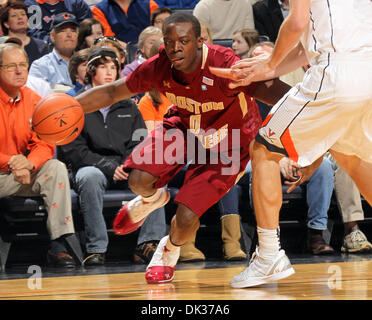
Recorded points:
(316, 244)
(230, 236)
(190, 253)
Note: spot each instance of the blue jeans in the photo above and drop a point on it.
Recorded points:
(229, 203)
(91, 185)
(319, 189)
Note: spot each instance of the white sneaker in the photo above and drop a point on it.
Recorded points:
(261, 271)
(162, 265)
(356, 242)
(132, 214)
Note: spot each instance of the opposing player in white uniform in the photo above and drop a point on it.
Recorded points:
(331, 109)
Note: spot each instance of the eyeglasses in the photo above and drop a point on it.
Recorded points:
(104, 38)
(11, 67)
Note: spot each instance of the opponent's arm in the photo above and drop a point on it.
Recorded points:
(290, 31)
(103, 96)
(287, 55)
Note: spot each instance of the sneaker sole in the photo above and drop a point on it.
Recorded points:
(262, 280)
(359, 250)
(124, 225)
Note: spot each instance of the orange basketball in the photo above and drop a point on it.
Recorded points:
(58, 119)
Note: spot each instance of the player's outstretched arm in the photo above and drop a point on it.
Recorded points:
(103, 96)
(287, 55)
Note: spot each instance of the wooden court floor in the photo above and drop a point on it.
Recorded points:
(319, 281)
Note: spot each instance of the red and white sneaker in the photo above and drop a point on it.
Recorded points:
(162, 265)
(132, 215)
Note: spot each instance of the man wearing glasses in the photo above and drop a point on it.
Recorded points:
(26, 164)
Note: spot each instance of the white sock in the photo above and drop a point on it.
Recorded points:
(269, 242)
(154, 197)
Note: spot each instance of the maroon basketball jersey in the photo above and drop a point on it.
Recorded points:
(207, 104)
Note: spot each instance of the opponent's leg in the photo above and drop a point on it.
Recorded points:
(269, 262)
(183, 226)
(359, 170)
(132, 215)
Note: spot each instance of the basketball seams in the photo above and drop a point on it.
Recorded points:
(49, 115)
(66, 128)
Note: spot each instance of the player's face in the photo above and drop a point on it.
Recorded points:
(183, 48)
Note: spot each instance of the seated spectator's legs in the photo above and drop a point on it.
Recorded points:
(91, 185)
(349, 203)
(230, 225)
(154, 227)
(52, 183)
(319, 191)
(152, 230)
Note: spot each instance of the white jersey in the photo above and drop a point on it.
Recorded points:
(340, 26)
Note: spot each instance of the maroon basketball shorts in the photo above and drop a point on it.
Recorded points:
(211, 171)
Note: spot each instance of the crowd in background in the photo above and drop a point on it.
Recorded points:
(73, 45)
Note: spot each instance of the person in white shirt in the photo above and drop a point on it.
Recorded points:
(225, 16)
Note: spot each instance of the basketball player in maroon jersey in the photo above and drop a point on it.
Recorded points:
(206, 112)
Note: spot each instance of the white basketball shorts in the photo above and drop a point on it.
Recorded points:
(330, 109)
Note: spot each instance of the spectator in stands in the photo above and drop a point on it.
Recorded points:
(3, 4)
(124, 19)
(159, 16)
(90, 29)
(43, 13)
(268, 17)
(243, 40)
(116, 45)
(350, 206)
(95, 158)
(41, 87)
(177, 4)
(225, 16)
(14, 23)
(26, 164)
(53, 67)
(206, 33)
(147, 38)
(77, 67)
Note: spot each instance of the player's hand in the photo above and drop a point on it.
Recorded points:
(252, 70)
(246, 71)
(18, 162)
(22, 176)
(120, 174)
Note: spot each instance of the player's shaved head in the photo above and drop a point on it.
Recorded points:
(184, 17)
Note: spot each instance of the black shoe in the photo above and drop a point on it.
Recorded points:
(62, 259)
(95, 259)
(144, 252)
